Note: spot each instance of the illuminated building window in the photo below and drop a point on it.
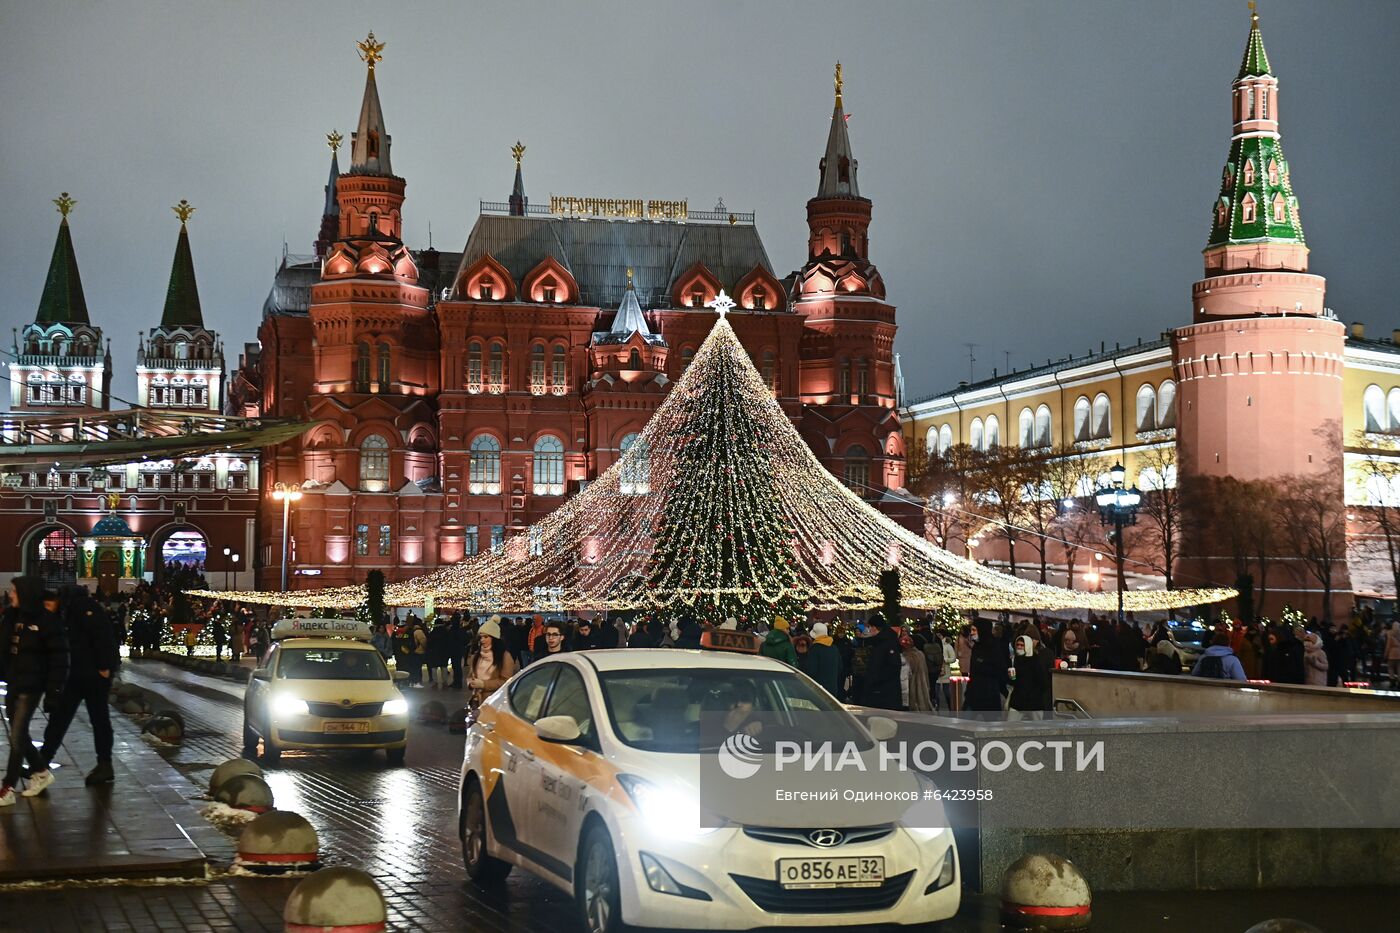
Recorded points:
(559, 372)
(362, 366)
(548, 292)
(497, 375)
(374, 464)
(1026, 428)
(549, 466)
(472, 541)
(1103, 417)
(537, 370)
(498, 538)
(1042, 426)
(770, 371)
(385, 540)
(361, 540)
(697, 298)
(486, 291)
(993, 435)
(474, 367)
(843, 379)
(636, 470)
(484, 474)
(383, 366)
(1146, 409)
(857, 469)
(862, 378)
(1082, 411)
(760, 300)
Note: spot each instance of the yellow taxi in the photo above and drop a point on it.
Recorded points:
(323, 686)
(584, 770)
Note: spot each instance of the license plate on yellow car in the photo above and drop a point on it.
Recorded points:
(850, 872)
(346, 727)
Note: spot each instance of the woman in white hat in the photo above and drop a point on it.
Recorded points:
(490, 665)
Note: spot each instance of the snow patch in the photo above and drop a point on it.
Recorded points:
(227, 818)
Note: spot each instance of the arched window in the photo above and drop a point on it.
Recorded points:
(484, 476)
(1103, 417)
(486, 289)
(559, 371)
(931, 441)
(634, 359)
(383, 367)
(993, 432)
(1166, 405)
(1247, 209)
(474, 367)
(687, 357)
(843, 379)
(636, 468)
(975, 435)
(374, 464)
(1042, 426)
(945, 439)
(1392, 410)
(362, 367)
(1082, 410)
(497, 375)
(1374, 401)
(857, 469)
(1280, 209)
(1248, 172)
(1146, 408)
(537, 369)
(549, 466)
(1273, 171)
(1026, 428)
(770, 371)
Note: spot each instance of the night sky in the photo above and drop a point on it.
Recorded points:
(1042, 173)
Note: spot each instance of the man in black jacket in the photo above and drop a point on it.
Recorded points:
(93, 660)
(34, 666)
(882, 666)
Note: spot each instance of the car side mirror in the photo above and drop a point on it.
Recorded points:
(260, 674)
(881, 728)
(563, 729)
(400, 676)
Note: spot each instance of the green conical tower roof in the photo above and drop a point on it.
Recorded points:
(63, 301)
(1256, 60)
(182, 297)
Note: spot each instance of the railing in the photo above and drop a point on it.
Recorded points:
(745, 218)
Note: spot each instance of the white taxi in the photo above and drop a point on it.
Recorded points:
(584, 770)
(323, 686)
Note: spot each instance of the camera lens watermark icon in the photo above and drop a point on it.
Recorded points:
(739, 756)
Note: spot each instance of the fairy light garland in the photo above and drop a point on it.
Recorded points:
(720, 508)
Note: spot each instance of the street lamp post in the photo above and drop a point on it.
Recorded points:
(227, 552)
(286, 495)
(1118, 506)
(234, 558)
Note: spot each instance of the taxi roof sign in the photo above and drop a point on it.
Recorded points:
(321, 628)
(721, 639)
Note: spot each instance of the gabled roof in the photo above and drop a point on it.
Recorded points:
(63, 300)
(598, 253)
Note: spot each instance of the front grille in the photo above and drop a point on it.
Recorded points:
(772, 897)
(801, 837)
(336, 711)
(340, 738)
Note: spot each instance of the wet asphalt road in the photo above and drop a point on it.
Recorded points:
(399, 824)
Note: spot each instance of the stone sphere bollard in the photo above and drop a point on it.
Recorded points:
(335, 899)
(433, 712)
(1045, 892)
(458, 723)
(230, 768)
(135, 707)
(279, 841)
(245, 792)
(165, 729)
(126, 692)
(174, 714)
(1283, 925)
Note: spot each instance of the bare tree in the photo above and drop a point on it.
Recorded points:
(1235, 519)
(1070, 478)
(1040, 506)
(1001, 494)
(1380, 471)
(1161, 509)
(1312, 527)
(948, 482)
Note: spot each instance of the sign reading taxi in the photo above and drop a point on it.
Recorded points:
(321, 628)
(721, 639)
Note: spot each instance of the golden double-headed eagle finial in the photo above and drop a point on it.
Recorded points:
(333, 139)
(839, 82)
(1253, 13)
(370, 51)
(183, 210)
(65, 204)
(518, 151)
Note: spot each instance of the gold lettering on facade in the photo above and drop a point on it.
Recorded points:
(637, 208)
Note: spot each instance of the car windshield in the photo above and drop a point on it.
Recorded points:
(660, 710)
(331, 664)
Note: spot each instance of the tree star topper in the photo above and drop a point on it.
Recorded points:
(183, 210)
(722, 304)
(65, 204)
(370, 51)
(333, 139)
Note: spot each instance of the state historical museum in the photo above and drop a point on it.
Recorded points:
(459, 397)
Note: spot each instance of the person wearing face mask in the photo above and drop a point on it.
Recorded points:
(1031, 694)
(986, 671)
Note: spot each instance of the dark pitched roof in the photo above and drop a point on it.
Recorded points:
(598, 253)
(182, 297)
(291, 285)
(62, 300)
(1070, 362)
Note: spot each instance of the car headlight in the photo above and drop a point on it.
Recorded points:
(666, 811)
(396, 707)
(284, 704)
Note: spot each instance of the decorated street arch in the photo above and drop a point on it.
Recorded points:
(720, 508)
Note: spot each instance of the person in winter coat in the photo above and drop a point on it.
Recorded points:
(917, 698)
(491, 665)
(943, 691)
(1163, 660)
(382, 640)
(1392, 653)
(1315, 661)
(823, 661)
(93, 657)
(966, 641)
(34, 666)
(550, 642)
(1030, 690)
(1219, 662)
(986, 671)
(456, 648)
(1069, 647)
(1251, 653)
(778, 644)
(882, 665)
(438, 644)
(689, 636)
(235, 641)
